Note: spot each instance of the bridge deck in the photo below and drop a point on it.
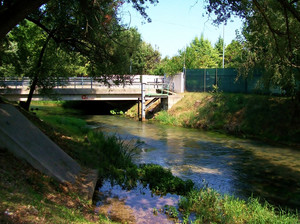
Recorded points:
(85, 88)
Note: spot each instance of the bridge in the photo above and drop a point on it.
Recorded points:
(146, 89)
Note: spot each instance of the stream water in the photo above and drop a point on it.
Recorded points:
(229, 165)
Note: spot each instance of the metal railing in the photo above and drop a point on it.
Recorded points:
(155, 84)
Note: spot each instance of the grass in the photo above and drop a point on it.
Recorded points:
(208, 206)
(267, 118)
(161, 181)
(27, 196)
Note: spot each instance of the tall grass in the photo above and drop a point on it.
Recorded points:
(264, 117)
(113, 158)
(208, 206)
(92, 148)
(165, 118)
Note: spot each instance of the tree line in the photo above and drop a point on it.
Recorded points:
(45, 39)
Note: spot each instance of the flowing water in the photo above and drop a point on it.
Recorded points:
(229, 165)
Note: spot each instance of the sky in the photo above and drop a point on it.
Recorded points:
(175, 23)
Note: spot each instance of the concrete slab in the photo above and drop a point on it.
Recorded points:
(25, 140)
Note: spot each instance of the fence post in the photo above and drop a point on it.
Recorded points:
(204, 81)
(216, 78)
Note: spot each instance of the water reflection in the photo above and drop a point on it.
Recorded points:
(229, 165)
(134, 206)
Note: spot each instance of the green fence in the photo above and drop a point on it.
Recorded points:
(227, 80)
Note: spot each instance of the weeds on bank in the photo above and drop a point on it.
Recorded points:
(208, 206)
(113, 158)
(27, 196)
(264, 117)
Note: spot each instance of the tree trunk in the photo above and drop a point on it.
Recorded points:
(13, 13)
(35, 80)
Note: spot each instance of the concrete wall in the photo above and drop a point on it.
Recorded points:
(177, 82)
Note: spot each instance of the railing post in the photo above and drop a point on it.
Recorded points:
(91, 82)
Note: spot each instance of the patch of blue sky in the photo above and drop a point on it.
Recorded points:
(175, 23)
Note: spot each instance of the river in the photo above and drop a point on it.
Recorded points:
(229, 165)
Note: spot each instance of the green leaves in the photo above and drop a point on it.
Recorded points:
(270, 41)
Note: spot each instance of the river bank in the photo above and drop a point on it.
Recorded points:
(56, 204)
(268, 118)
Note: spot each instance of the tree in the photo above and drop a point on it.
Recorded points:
(271, 35)
(171, 66)
(90, 28)
(234, 54)
(219, 47)
(201, 54)
(145, 59)
(37, 56)
(13, 12)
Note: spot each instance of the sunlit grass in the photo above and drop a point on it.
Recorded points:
(256, 116)
(113, 158)
(210, 207)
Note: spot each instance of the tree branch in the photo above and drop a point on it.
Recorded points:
(15, 13)
(289, 7)
(262, 11)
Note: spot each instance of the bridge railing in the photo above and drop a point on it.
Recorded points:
(153, 83)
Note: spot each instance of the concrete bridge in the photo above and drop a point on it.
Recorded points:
(142, 88)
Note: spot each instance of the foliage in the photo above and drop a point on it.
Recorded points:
(234, 54)
(219, 45)
(161, 180)
(85, 33)
(109, 154)
(199, 54)
(206, 204)
(145, 59)
(165, 118)
(270, 36)
(210, 207)
(171, 66)
(13, 12)
(264, 117)
(22, 56)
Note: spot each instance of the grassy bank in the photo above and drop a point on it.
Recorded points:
(27, 196)
(267, 118)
